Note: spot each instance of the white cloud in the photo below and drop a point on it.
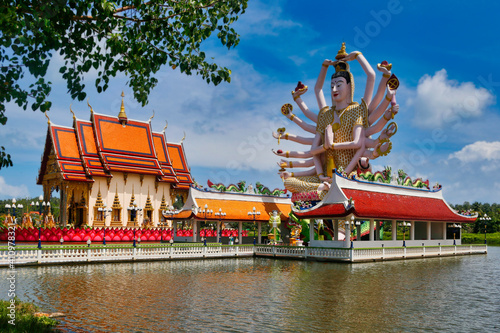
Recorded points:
(478, 151)
(439, 100)
(263, 19)
(10, 191)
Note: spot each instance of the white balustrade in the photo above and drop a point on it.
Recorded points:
(117, 253)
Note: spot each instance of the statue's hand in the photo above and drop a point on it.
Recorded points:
(325, 179)
(350, 56)
(383, 69)
(275, 135)
(395, 109)
(390, 92)
(279, 152)
(299, 92)
(329, 136)
(329, 62)
(285, 174)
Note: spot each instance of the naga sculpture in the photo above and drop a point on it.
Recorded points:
(342, 135)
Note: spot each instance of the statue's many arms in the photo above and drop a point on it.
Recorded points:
(342, 135)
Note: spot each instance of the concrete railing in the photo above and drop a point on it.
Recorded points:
(367, 254)
(23, 256)
(34, 256)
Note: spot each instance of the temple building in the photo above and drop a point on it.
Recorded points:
(113, 171)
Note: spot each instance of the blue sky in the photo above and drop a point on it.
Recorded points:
(444, 53)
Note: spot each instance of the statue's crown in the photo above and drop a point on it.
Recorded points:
(341, 53)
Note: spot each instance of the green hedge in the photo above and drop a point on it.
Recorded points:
(25, 320)
(491, 238)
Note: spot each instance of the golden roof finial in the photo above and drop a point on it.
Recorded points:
(341, 53)
(182, 140)
(45, 113)
(166, 125)
(152, 116)
(122, 116)
(74, 117)
(91, 110)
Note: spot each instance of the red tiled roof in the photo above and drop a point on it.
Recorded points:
(384, 202)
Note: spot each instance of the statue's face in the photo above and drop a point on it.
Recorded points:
(340, 89)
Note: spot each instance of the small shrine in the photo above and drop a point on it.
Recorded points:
(113, 171)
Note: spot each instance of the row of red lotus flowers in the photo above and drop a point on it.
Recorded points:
(111, 234)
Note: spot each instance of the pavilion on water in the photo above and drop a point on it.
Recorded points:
(425, 213)
(113, 171)
(229, 209)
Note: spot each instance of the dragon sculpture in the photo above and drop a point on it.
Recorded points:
(379, 176)
(240, 187)
(405, 180)
(261, 189)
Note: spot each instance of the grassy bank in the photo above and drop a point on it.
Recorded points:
(491, 238)
(25, 319)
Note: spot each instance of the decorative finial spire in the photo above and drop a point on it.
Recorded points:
(91, 110)
(150, 118)
(341, 53)
(166, 125)
(48, 122)
(74, 117)
(184, 137)
(122, 116)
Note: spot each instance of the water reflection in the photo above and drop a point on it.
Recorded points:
(262, 295)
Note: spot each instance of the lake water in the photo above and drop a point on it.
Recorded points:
(450, 294)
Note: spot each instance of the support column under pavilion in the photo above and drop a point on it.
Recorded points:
(394, 230)
(336, 230)
(371, 230)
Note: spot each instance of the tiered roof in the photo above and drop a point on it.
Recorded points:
(107, 144)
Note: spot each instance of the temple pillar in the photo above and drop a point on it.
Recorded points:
(429, 230)
(63, 205)
(218, 232)
(259, 228)
(240, 231)
(394, 230)
(412, 230)
(444, 230)
(336, 230)
(371, 230)
(194, 223)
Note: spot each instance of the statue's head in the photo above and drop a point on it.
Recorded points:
(342, 84)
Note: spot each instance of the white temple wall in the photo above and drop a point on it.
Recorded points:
(125, 188)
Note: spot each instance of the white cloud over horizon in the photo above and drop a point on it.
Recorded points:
(478, 151)
(439, 100)
(9, 191)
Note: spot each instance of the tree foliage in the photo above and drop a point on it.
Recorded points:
(482, 209)
(124, 36)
